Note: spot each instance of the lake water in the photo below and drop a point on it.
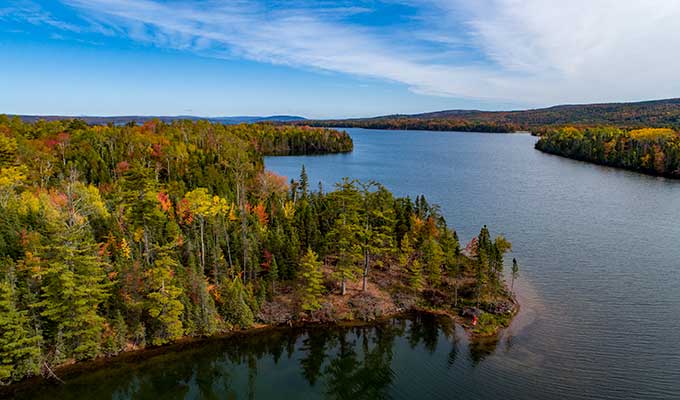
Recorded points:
(600, 290)
(599, 250)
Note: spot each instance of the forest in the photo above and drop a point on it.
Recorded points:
(114, 238)
(412, 123)
(656, 113)
(654, 151)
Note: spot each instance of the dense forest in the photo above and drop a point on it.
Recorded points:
(654, 151)
(413, 123)
(119, 237)
(658, 113)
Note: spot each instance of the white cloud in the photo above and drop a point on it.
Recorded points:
(535, 51)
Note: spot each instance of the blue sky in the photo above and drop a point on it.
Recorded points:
(326, 59)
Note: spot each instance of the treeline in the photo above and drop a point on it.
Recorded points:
(654, 151)
(657, 113)
(413, 123)
(118, 237)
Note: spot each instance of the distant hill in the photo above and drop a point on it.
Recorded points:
(120, 120)
(656, 113)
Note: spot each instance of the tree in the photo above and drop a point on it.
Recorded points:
(311, 281)
(481, 275)
(515, 273)
(73, 282)
(376, 235)
(162, 304)
(234, 307)
(73, 277)
(434, 259)
(19, 343)
(344, 238)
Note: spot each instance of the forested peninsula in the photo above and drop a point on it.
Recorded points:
(653, 151)
(116, 238)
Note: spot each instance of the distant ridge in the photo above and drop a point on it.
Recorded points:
(654, 113)
(119, 120)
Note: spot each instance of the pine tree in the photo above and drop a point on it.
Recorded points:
(304, 182)
(515, 273)
(311, 281)
(434, 259)
(74, 286)
(234, 304)
(19, 343)
(416, 275)
(377, 233)
(344, 238)
(163, 305)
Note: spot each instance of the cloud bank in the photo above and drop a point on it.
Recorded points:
(534, 52)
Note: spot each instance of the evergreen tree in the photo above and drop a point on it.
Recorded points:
(434, 259)
(74, 286)
(415, 270)
(376, 235)
(234, 306)
(162, 304)
(344, 238)
(515, 274)
(19, 343)
(311, 280)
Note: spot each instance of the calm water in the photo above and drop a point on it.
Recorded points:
(600, 290)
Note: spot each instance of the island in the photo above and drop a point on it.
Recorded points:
(119, 238)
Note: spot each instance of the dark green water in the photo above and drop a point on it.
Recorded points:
(600, 290)
(316, 363)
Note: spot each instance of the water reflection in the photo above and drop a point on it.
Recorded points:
(322, 362)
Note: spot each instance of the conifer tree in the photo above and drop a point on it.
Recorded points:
(19, 343)
(416, 275)
(311, 281)
(434, 259)
(515, 273)
(162, 304)
(376, 235)
(73, 276)
(344, 238)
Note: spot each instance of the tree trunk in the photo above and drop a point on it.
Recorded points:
(455, 294)
(365, 271)
(226, 236)
(202, 247)
(343, 289)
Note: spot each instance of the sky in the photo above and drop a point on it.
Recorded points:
(331, 59)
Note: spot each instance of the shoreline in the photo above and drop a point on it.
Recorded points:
(187, 343)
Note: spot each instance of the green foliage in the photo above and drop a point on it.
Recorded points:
(434, 260)
(73, 288)
(652, 151)
(19, 343)
(122, 236)
(344, 238)
(163, 307)
(311, 281)
(515, 273)
(234, 304)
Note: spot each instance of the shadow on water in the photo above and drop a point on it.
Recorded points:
(318, 362)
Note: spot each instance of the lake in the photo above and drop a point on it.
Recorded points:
(599, 250)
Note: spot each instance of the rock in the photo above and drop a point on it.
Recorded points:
(501, 307)
(471, 312)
